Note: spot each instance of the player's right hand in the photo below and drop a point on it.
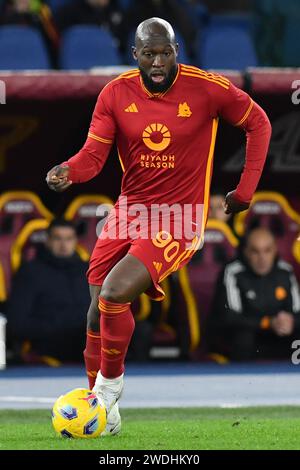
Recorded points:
(58, 178)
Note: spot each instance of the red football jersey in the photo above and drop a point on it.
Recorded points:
(166, 140)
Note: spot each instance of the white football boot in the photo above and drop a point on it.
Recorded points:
(109, 391)
(113, 424)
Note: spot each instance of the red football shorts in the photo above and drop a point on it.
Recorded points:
(160, 253)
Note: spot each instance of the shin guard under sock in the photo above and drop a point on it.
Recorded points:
(116, 326)
(92, 356)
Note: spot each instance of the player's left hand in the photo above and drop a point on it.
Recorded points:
(232, 205)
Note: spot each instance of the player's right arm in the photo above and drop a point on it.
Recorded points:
(89, 161)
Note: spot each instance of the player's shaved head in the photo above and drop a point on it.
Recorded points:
(154, 28)
(156, 52)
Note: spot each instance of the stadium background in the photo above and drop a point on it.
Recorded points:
(45, 120)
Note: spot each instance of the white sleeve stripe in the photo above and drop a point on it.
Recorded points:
(284, 265)
(295, 293)
(233, 292)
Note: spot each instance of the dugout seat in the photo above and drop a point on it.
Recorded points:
(125, 4)
(197, 12)
(296, 255)
(32, 236)
(16, 209)
(196, 281)
(85, 46)
(83, 213)
(272, 210)
(22, 48)
(3, 293)
(226, 43)
(236, 20)
(55, 5)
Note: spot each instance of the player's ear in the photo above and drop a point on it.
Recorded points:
(133, 50)
(176, 48)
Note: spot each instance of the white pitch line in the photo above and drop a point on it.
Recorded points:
(231, 405)
(28, 399)
(51, 401)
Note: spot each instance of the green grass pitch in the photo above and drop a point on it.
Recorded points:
(161, 429)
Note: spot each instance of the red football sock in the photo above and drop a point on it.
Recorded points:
(117, 326)
(92, 356)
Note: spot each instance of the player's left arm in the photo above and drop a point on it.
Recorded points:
(238, 108)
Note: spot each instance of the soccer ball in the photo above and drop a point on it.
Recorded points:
(79, 414)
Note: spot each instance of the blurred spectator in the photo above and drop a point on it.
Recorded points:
(47, 308)
(36, 14)
(170, 10)
(104, 13)
(257, 302)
